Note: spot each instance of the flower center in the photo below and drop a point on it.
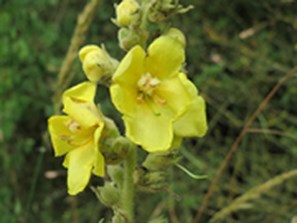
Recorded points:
(78, 136)
(73, 126)
(146, 86)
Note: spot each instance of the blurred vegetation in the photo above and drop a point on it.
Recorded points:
(237, 51)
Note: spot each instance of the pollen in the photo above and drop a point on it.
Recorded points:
(147, 84)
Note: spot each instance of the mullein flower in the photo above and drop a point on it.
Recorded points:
(154, 96)
(77, 136)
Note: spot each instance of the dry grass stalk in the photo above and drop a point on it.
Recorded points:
(243, 202)
(83, 22)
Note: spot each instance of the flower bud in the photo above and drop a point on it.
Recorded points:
(116, 173)
(109, 194)
(126, 11)
(176, 34)
(150, 181)
(163, 9)
(128, 38)
(115, 149)
(97, 64)
(160, 161)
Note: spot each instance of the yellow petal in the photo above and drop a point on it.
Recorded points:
(66, 161)
(84, 92)
(153, 132)
(165, 57)
(193, 122)
(99, 159)
(86, 114)
(124, 98)
(131, 67)
(99, 165)
(175, 94)
(60, 134)
(80, 163)
(83, 52)
(125, 12)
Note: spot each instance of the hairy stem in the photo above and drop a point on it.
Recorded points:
(128, 187)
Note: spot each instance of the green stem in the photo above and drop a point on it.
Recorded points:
(128, 187)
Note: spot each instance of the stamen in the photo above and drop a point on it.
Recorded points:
(147, 84)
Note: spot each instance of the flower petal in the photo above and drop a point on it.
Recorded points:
(80, 163)
(99, 159)
(86, 114)
(124, 98)
(153, 132)
(131, 67)
(193, 122)
(99, 164)
(85, 92)
(165, 57)
(176, 94)
(59, 134)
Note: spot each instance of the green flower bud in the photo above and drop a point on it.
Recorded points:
(161, 10)
(109, 195)
(177, 34)
(128, 38)
(160, 161)
(116, 174)
(97, 64)
(126, 11)
(150, 182)
(115, 149)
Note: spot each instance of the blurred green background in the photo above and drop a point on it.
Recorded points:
(237, 50)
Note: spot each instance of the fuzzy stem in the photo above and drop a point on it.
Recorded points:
(128, 187)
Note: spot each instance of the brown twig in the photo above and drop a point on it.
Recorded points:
(83, 22)
(236, 143)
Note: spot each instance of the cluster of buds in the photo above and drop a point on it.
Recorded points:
(133, 19)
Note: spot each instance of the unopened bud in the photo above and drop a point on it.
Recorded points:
(97, 64)
(109, 194)
(162, 10)
(116, 173)
(126, 11)
(176, 34)
(160, 161)
(115, 149)
(150, 181)
(128, 38)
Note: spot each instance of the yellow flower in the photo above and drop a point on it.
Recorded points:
(125, 12)
(155, 97)
(77, 135)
